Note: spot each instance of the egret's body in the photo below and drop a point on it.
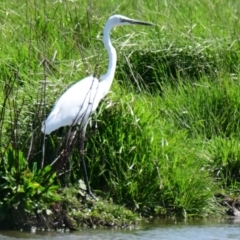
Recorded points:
(77, 104)
(77, 107)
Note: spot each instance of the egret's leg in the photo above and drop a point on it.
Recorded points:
(85, 175)
(43, 150)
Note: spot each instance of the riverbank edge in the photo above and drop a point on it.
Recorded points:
(76, 211)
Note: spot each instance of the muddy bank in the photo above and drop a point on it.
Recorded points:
(230, 205)
(76, 212)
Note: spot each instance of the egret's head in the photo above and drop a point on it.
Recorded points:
(117, 20)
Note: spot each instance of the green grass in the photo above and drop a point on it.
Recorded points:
(167, 137)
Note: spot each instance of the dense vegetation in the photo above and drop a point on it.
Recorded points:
(167, 141)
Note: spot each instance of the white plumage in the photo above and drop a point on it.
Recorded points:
(73, 107)
(77, 104)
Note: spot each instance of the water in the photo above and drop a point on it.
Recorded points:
(197, 230)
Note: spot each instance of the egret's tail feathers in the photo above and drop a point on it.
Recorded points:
(44, 129)
(54, 122)
(50, 124)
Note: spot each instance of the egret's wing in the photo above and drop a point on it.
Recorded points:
(74, 106)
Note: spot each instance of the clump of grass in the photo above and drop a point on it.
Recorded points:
(145, 162)
(224, 161)
(172, 62)
(208, 108)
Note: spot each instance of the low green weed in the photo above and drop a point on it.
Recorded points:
(23, 190)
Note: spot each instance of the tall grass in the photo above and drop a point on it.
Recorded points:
(167, 137)
(146, 162)
(209, 107)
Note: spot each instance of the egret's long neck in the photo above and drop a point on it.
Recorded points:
(112, 55)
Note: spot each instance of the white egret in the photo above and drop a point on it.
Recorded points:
(78, 102)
